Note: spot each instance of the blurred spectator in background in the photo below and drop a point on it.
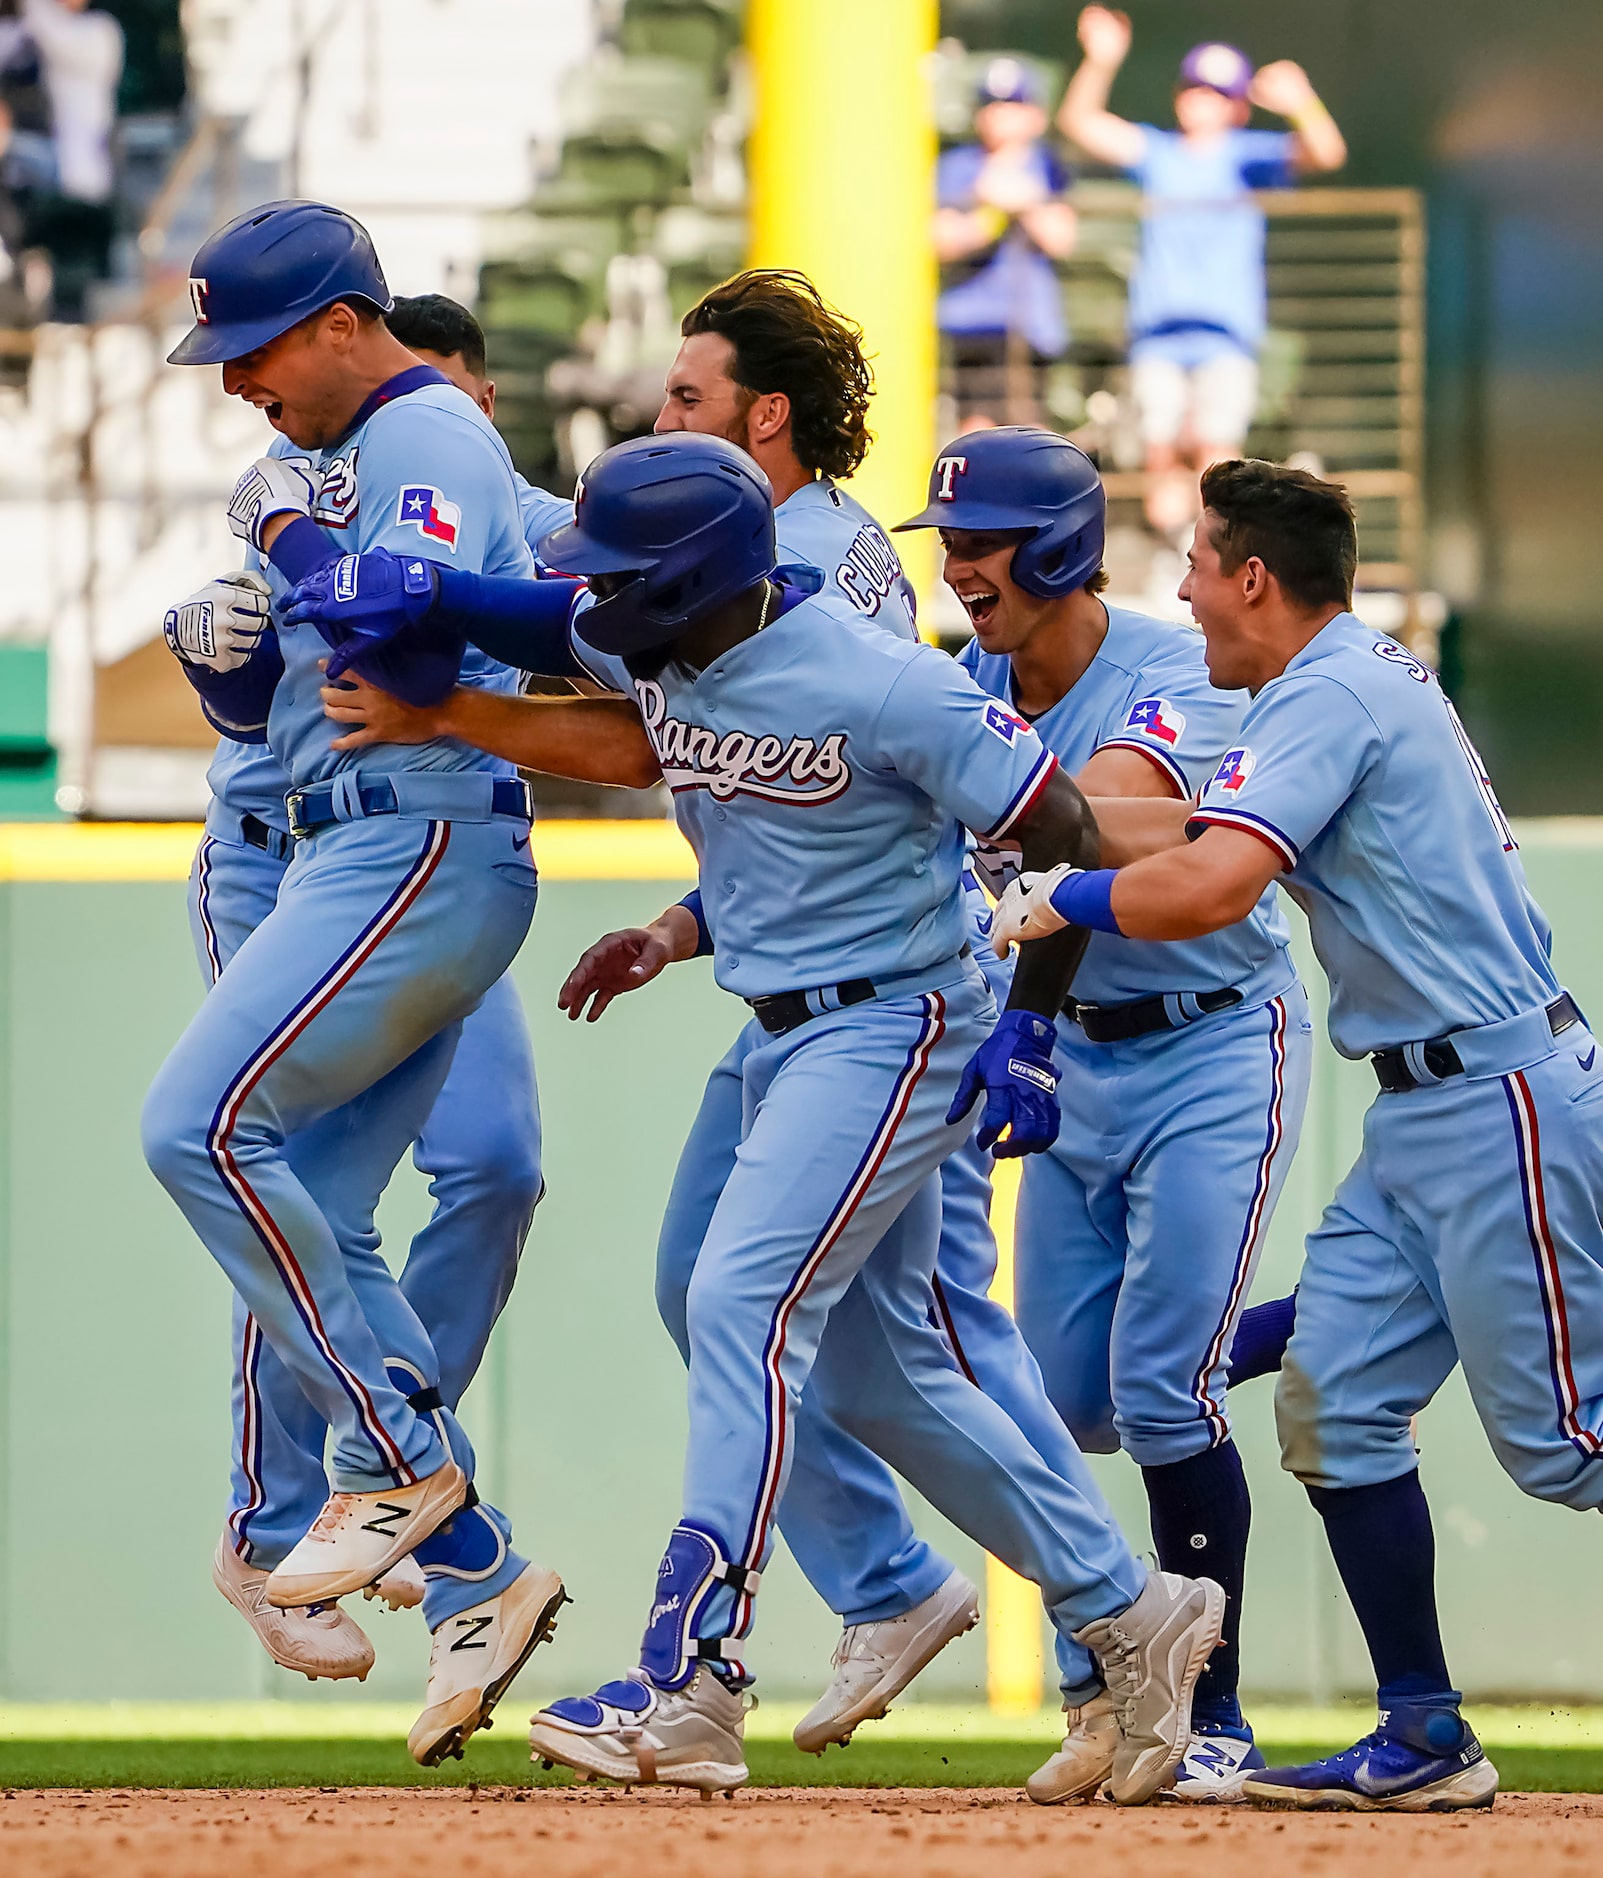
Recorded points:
(1001, 223)
(81, 53)
(1197, 299)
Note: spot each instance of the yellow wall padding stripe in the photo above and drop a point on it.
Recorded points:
(1014, 1661)
(113, 851)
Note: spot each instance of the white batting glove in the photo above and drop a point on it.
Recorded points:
(1026, 911)
(273, 485)
(220, 624)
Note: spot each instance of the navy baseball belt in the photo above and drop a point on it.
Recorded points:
(1170, 1010)
(1439, 1058)
(314, 808)
(788, 1010)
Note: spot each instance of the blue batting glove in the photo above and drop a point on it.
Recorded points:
(1013, 1068)
(361, 602)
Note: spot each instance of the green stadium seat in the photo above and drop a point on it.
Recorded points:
(629, 127)
(697, 250)
(554, 280)
(700, 32)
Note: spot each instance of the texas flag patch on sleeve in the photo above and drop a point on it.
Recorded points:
(1159, 719)
(426, 510)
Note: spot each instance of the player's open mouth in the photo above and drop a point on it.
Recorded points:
(980, 606)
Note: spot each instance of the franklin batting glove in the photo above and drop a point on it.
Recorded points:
(221, 624)
(362, 602)
(1013, 1068)
(273, 485)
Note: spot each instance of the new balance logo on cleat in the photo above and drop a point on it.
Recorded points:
(1211, 1755)
(474, 1638)
(384, 1519)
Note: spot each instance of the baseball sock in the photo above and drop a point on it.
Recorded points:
(1385, 1550)
(1261, 1338)
(1201, 1512)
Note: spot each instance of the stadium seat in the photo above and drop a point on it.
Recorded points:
(554, 280)
(629, 126)
(700, 32)
(697, 250)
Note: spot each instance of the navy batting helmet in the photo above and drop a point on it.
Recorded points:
(691, 517)
(269, 268)
(1019, 477)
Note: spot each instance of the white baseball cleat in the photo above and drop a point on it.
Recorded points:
(1151, 1655)
(401, 1587)
(474, 1657)
(1214, 1766)
(630, 1731)
(358, 1536)
(321, 1641)
(875, 1662)
(1079, 1768)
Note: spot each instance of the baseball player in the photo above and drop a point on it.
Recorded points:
(806, 752)
(1197, 298)
(1183, 1068)
(1468, 1230)
(409, 891)
(482, 1156)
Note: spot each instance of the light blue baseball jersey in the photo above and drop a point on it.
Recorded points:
(825, 528)
(1147, 689)
(248, 779)
(820, 771)
(1354, 768)
(424, 473)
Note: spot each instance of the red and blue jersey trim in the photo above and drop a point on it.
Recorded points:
(1248, 823)
(1160, 759)
(1028, 794)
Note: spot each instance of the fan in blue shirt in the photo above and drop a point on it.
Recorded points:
(1196, 312)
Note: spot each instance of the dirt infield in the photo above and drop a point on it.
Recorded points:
(844, 1833)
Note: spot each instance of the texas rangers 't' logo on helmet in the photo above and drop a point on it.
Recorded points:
(198, 289)
(947, 471)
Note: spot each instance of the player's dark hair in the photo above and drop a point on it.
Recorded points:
(787, 337)
(1301, 528)
(440, 325)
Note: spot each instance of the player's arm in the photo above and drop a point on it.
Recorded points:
(1133, 827)
(595, 740)
(1284, 88)
(1083, 116)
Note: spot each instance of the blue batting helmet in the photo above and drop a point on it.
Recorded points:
(1017, 476)
(691, 517)
(269, 268)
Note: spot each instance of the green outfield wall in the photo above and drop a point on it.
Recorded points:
(114, 1345)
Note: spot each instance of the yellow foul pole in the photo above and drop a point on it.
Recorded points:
(842, 186)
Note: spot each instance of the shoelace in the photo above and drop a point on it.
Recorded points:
(1118, 1658)
(336, 1510)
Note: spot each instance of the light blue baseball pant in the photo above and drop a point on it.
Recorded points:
(816, 1268)
(386, 932)
(1139, 1230)
(481, 1145)
(1470, 1231)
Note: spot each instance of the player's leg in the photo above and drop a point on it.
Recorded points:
(1509, 1202)
(844, 1118)
(705, 1164)
(1224, 400)
(383, 934)
(480, 1148)
(1161, 390)
(1371, 1348)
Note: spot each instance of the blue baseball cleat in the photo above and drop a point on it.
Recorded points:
(1386, 1773)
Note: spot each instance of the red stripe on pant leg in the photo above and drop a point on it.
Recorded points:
(246, 1198)
(250, 1354)
(912, 1072)
(1528, 1145)
(1247, 1251)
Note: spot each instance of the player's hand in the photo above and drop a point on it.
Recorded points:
(220, 624)
(622, 961)
(1104, 35)
(273, 485)
(1013, 1070)
(361, 602)
(1025, 910)
(1009, 187)
(377, 716)
(1282, 87)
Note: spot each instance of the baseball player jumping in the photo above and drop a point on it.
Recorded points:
(1468, 1231)
(482, 1157)
(409, 892)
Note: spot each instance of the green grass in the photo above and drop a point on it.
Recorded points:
(490, 1762)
